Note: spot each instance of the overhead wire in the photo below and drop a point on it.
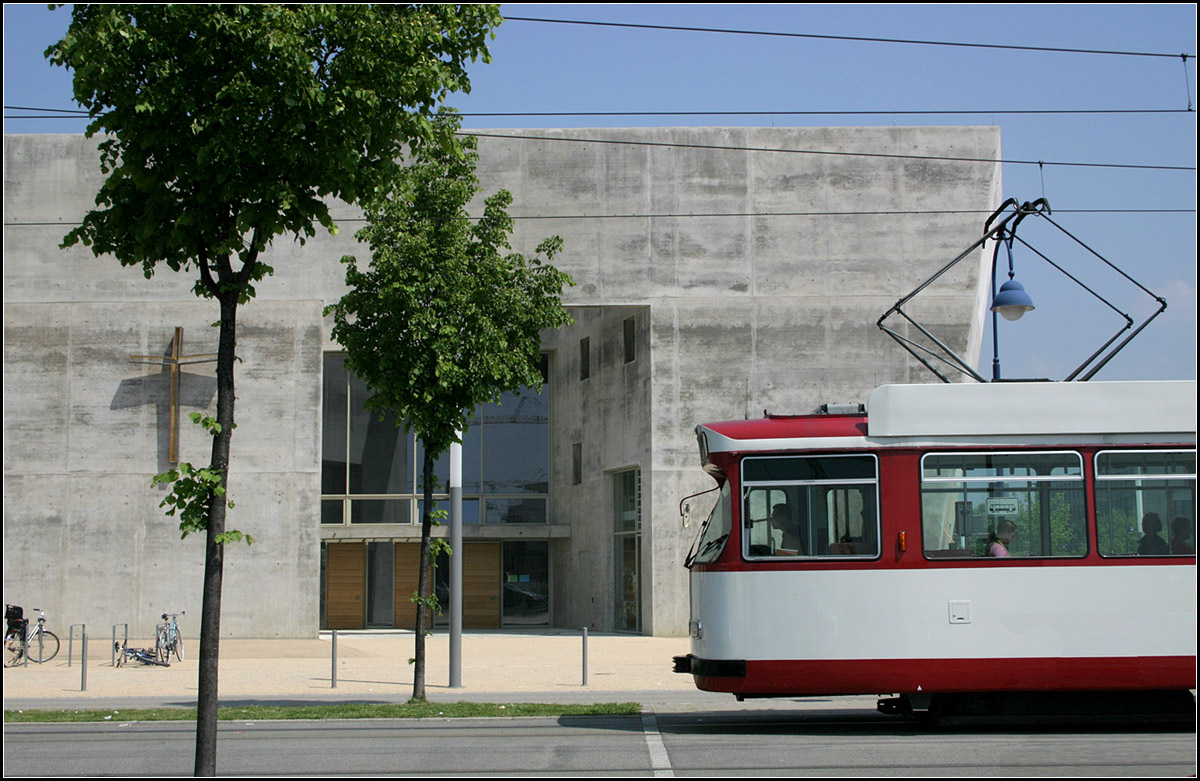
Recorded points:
(740, 215)
(80, 114)
(887, 155)
(942, 158)
(860, 38)
(74, 113)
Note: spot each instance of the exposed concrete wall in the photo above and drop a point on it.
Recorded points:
(85, 429)
(763, 274)
(755, 280)
(608, 416)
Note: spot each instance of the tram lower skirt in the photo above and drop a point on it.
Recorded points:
(1032, 706)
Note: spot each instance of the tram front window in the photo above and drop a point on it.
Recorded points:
(715, 532)
(1003, 504)
(810, 507)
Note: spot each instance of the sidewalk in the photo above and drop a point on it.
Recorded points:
(508, 666)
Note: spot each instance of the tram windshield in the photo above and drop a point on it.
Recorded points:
(810, 506)
(715, 532)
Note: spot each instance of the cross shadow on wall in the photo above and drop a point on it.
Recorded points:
(174, 393)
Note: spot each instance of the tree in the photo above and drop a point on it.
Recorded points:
(443, 319)
(230, 125)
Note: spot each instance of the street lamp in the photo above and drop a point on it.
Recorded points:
(1011, 301)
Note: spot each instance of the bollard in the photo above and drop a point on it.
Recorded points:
(83, 664)
(584, 657)
(333, 672)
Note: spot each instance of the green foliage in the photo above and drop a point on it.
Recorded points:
(445, 317)
(439, 546)
(194, 490)
(227, 125)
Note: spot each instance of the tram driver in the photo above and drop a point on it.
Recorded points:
(785, 533)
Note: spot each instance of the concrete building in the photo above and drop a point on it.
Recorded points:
(712, 283)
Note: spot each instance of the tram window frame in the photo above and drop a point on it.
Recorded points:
(832, 488)
(1166, 494)
(965, 527)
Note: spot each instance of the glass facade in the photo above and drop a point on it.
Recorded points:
(526, 583)
(371, 476)
(371, 468)
(627, 550)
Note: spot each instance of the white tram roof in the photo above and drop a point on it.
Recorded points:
(1033, 408)
(1026, 413)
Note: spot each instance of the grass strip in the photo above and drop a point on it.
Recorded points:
(408, 710)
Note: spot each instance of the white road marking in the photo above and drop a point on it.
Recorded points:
(659, 761)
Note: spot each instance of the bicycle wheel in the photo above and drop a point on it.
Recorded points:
(179, 646)
(12, 649)
(120, 653)
(43, 646)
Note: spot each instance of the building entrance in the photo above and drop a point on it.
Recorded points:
(371, 584)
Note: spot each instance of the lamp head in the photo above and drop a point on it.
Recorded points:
(1012, 301)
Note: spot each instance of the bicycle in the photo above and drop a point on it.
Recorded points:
(168, 638)
(143, 655)
(36, 645)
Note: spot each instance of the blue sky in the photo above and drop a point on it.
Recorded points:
(1133, 202)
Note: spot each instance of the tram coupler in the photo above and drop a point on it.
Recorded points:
(683, 664)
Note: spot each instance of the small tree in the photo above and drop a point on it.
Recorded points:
(443, 319)
(228, 126)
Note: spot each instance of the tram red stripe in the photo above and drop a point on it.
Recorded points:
(907, 676)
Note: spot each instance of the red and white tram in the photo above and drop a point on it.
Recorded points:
(949, 540)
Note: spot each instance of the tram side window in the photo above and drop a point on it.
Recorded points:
(993, 505)
(810, 506)
(1146, 502)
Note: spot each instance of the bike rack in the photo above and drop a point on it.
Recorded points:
(124, 642)
(71, 640)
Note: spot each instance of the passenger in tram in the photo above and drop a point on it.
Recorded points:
(999, 540)
(1181, 530)
(1151, 544)
(785, 533)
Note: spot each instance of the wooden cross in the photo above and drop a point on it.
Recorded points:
(173, 362)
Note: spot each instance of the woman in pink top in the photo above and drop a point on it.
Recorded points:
(999, 540)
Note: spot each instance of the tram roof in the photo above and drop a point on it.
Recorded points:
(1036, 411)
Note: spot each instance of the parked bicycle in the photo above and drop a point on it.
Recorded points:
(168, 639)
(37, 644)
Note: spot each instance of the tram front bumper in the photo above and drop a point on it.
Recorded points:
(718, 668)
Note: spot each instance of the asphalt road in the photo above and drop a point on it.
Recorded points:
(749, 742)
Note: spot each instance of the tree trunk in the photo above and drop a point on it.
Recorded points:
(214, 555)
(423, 581)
